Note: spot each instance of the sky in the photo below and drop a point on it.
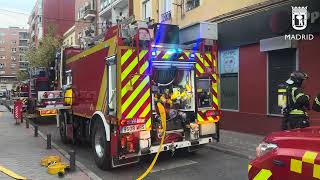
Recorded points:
(15, 12)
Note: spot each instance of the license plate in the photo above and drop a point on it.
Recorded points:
(133, 128)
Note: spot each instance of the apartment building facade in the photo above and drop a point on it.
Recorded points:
(13, 46)
(58, 14)
(85, 26)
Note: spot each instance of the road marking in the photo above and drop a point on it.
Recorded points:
(172, 164)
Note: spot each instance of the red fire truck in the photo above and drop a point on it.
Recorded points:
(112, 90)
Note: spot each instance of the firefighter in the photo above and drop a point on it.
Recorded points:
(295, 115)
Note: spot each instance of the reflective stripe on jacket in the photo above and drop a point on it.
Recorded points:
(300, 100)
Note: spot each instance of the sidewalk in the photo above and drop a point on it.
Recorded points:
(239, 144)
(21, 152)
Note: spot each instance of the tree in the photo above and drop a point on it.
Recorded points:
(44, 55)
(22, 75)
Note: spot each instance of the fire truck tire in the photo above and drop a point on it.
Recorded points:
(63, 116)
(100, 146)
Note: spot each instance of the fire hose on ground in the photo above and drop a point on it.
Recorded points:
(163, 118)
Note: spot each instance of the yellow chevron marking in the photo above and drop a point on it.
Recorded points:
(166, 55)
(124, 90)
(200, 118)
(134, 94)
(134, 63)
(144, 66)
(139, 104)
(134, 79)
(210, 119)
(129, 68)
(146, 111)
(148, 125)
(209, 56)
(102, 91)
(199, 68)
(126, 56)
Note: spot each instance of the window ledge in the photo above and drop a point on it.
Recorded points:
(275, 115)
(230, 110)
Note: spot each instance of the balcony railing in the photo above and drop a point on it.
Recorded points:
(166, 16)
(89, 14)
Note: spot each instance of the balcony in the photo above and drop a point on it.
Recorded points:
(89, 14)
(106, 7)
(166, 16)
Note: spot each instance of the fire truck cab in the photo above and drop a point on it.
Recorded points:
(117, 91)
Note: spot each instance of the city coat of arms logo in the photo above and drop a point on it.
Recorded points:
(299, 18)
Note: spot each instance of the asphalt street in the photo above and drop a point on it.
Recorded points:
(205, 164)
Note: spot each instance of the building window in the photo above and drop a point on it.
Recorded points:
(13, 66)
(14, 50)
(2, 49)
(13, 42)
(146, 9)
(229, 85)
(191, 4)
(166, 10)
(1, 65)
(104, 3)
(2, 57)
(280, 64)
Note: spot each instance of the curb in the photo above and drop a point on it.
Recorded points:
(230, 151)
(82, 167)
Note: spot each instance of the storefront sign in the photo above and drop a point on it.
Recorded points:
(229, 61)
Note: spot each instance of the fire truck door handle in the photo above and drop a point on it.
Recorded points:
(278, 163)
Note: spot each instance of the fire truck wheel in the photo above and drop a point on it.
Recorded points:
(63, 126)
(100, 146)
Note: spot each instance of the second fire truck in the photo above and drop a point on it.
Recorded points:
(113, 91)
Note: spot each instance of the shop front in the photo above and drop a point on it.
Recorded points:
(256, 55)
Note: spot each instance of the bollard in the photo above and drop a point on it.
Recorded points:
(35, 130)
(48, 141)
(72, 162)
(27, 123)
(21, 118)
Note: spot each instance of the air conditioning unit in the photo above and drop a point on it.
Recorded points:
(202, 30)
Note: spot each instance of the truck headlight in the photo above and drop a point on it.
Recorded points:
(264, 148)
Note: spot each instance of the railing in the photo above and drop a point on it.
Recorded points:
(166, 16)
(90, 12)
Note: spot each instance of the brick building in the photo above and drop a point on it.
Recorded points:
(56, 13)
(13, 45)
